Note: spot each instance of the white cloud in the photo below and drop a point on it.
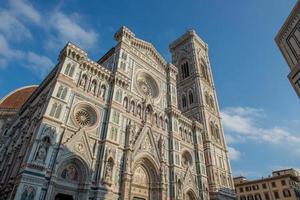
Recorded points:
(58, 28)
(244, 122)
(6, 52)
(12, 28)
(23, 8)
(36, 63)
(69, 29)
(39, 64)
(234, 154)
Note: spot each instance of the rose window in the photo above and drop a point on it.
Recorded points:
(146, 85)
(82, 117)
(144, 88)
(85, 115)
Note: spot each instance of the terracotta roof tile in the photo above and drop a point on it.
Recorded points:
(17, 98)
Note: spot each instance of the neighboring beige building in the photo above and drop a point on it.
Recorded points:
(128, 127)
(283, 185)
(288, 41)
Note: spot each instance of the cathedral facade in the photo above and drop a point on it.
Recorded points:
(130, 126)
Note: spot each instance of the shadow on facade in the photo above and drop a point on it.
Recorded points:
(50, 168)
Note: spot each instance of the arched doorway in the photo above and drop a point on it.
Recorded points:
(145, 182)
(70, 180)
(190, 196)
(140, 184)
(61, 196)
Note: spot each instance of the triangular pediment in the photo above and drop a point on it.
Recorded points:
(79, 144)
(146, 143)
(147, 48)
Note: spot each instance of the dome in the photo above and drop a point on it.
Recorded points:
(16, 98)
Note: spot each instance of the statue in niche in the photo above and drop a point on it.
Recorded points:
(43, 148)
(130, 131)
(28, 193)
(108, 171)
(161, 146)
(70, 173)
(179, 189)
(83, 81)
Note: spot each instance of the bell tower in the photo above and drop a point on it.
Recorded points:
(197, 99)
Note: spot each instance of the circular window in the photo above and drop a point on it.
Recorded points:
(85, 115)
(146, 85)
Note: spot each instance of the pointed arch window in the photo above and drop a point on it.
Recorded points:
(204, 72)
(191, 97)
(211, 102)
(184, 103)
(56, 110)
(217, 132)
(119, 95)
(212, 130)
(185, 70)
(125, 103)
(103, 91)
(69, 70)
(62, 92)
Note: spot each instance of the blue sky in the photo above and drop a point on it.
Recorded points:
(260, 110)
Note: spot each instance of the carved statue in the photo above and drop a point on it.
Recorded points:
(42, 152)
(130, 131)
(161, 146)
(83, 81)
(70, 173)
(28, 194)
(108, 171)
(179, 189)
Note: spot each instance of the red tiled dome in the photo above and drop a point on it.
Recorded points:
(17, 98)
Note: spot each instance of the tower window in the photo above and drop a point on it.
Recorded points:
(69, 70)
(204, 72)
(55, 110)
(191, 98)
(62, 92)
(183, 101)
(185, 70)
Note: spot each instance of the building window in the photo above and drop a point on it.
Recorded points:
(241, 189)
(267, 197)
(257, 197)
(211, 102)
(283, 182)
(273, 184)
(69, 70)
(114, 133)
(183, 101)
(204, 72)
(286, 193)
(116, 117)
(250, 197)
(177, 159)
(123, 66)
(248, 188)
(191, 97)
(55, 110)
(185, 70)
(276, 194)
(243, 198)
(119, 95)
(62, 92)
(264, 185)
